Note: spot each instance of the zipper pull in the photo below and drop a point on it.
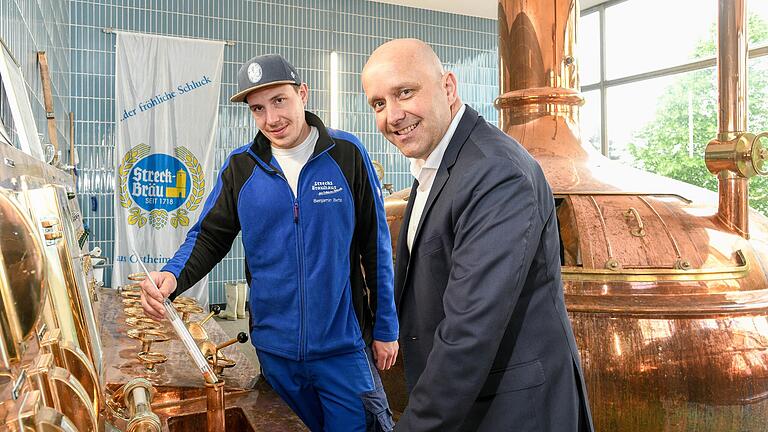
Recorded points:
(296, 212)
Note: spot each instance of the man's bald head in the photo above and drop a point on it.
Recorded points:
(413, 97)
(411, 52)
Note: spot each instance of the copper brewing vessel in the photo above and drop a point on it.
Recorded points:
(665, 282)
(22, 280)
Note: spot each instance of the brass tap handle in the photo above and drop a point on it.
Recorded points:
(214, 311)
(197, 330)
(137, 277)
(150, 359)
(640, 230)
(219, 364)
(143, 323)
(184, 301)
(134, 312)
(242, 337)
(187, 310)
(129, 287)
(148, 337)
(136, 295)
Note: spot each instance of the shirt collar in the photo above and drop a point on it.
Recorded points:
(434, 158)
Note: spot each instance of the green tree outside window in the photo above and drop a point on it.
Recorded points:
(663, 145)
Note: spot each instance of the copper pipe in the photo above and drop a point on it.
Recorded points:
(733, 203)
(732, 67)
(215, 399)
(537, 63)
(733, 189)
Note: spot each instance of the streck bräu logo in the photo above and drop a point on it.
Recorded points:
(158, 188)
(325, 188)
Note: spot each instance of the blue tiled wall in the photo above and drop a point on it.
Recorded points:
(29, 26)
(303, 31)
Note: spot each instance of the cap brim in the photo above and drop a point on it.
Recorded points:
(240, 96)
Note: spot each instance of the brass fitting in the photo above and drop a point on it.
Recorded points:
(744, 154)
(133, 404)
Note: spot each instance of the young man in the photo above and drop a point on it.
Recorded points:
(309, 206)
(488, 345)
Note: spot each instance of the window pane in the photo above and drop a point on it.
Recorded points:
(663, 125)
(757, 78)
(758, 122)
(590, 120)
(757, 23)
(639, 38)
(589, 48)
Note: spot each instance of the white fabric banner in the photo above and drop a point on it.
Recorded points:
(166, 111)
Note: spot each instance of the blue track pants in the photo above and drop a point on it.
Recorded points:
(342, 393)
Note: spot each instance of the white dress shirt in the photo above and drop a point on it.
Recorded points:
(425, 171)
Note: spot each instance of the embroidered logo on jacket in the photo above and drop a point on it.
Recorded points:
(324, 189)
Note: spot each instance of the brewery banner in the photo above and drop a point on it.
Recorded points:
(166, 111)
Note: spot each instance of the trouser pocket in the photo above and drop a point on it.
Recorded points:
(378, 417)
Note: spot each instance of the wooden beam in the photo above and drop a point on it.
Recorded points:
(45, 78)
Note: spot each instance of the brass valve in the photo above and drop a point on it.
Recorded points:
(186, 311)
(132, 403)
(214, 356)
(197, 330)
(143, 323)
(149, 359)
(744, 155)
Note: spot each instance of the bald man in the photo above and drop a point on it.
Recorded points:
(486, 340)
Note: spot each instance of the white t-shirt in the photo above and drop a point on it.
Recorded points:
(292, 160)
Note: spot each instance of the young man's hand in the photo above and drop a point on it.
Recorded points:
(151, 299)
(385, 354)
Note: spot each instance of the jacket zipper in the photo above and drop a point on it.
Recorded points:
(300, 253)
(303, 312)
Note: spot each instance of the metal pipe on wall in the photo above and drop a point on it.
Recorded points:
(733, 189)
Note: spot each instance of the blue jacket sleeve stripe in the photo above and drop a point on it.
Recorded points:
(203, 249)
(386, 326)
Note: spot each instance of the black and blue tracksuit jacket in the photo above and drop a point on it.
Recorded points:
(319, 265)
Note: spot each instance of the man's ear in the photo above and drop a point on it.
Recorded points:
(451, 87)
(304, 93)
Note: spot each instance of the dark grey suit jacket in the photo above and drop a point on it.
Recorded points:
(486, 340)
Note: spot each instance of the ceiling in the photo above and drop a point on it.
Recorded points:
(480, 8)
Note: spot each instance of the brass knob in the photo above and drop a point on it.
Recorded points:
(53, 235)
(150, 359)
(135, 312)
(131, 294)
(187, 310)
(143, 323)
(150, 336)
(137, 276)
(49, 222)
(220, 363)
(185, 301)
(133, 287)
(131, 303)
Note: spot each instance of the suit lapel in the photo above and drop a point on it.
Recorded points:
(460, 136)
(402, 254)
